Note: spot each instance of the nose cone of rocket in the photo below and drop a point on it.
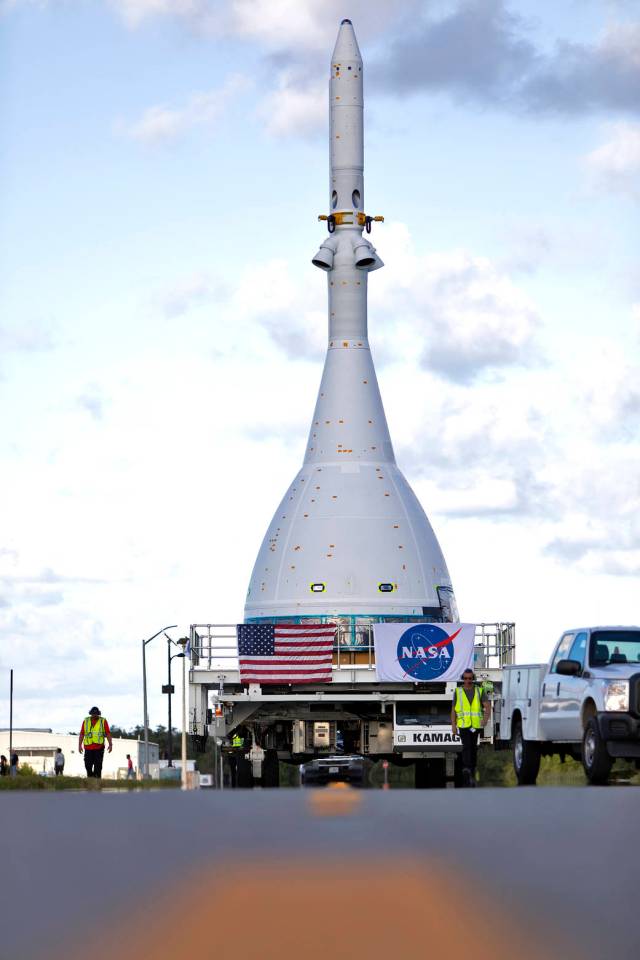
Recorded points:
(346, 48)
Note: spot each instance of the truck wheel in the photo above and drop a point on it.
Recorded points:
(526, 758)
(595, 759)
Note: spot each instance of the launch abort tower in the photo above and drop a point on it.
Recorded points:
(349, 542)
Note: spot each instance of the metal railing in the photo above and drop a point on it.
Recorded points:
(214, 646)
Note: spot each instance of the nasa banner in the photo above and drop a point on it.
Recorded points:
(420, 652)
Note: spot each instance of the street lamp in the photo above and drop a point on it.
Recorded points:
(169, 692)
(145, 764)
(184, 643)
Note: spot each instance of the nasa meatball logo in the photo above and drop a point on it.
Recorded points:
(426, 651)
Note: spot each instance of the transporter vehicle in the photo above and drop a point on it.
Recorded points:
(348, 547)
(353, 715)
(584, 703)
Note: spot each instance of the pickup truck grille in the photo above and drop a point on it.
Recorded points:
(619, 728)
(634, 695)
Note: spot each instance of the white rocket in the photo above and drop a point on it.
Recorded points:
(349, 539)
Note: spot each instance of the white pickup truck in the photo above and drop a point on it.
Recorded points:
(585, 703)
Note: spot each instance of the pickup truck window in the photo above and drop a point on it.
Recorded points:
(562, 652)
(614, 646)
(579, 648)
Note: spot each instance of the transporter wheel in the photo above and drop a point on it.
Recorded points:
(526, 758)
(430, 774)
(596, 761)
(458, 779)
(270, 769)
(244, 776)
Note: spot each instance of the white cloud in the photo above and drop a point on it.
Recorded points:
(28, 337)
(187, 293)
(616, 164)
(281, 22)
(291, 25)
(136, 12)
(293, 108)
(162, 124)
(467, 311)
(92, 401)
(621, 41)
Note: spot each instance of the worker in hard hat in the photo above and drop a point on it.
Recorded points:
(93, 733)
(469, 714)
(237, 746)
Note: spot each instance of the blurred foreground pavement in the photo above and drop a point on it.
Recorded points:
(327, 873)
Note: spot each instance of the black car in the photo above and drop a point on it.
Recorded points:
(349, 769)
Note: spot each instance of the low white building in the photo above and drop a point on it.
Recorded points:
(37, 748)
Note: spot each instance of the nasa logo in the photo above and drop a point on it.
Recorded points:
(425, 651)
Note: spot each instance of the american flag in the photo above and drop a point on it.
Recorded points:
(285, 652)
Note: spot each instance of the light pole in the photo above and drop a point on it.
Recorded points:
(169, 692)
(11, 720)
(145, 763)
(183, 643)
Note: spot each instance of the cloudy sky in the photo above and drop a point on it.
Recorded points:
(163, 163)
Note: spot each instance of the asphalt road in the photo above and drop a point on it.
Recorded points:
(525, 872)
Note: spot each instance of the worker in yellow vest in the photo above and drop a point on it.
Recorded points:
(93, 733)
(469, 714)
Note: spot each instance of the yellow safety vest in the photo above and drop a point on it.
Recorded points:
(237, 741)
(469, 714)
(93, 734)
